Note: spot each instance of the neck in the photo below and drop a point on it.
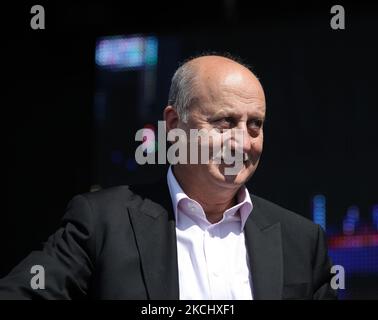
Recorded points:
(216, 204)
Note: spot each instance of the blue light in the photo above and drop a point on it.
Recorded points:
(319, 210)
(351, 220)
(151, 51)
(127, 52)
(356, 260)
(375, 216)
(353, 214)
(348, 227)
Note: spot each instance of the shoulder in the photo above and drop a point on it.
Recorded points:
(109, 196)
(104, 203)
(115, 200)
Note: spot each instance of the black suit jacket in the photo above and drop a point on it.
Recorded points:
(120, 243)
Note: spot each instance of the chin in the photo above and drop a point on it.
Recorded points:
(234, 180)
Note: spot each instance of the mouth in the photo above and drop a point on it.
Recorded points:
(246, 161)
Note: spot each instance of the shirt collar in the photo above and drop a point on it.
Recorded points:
(244, 202)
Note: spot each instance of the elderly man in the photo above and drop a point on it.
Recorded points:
(199, 234)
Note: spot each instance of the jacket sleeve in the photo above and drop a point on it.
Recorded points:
(67, 258)
(322, 269)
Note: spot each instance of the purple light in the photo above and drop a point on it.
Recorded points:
(353, 213)
(375, 216)
(127, 52)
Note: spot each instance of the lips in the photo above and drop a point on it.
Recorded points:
(246, 160)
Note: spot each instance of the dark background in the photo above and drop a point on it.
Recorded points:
(321, 88)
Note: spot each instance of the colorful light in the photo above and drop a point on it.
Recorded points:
(351, 220)
(121, 52)
(319, 210)
(375, 216)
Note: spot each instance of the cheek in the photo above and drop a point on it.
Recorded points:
(257, 147)
(257, 144)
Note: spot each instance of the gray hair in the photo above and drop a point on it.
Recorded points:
(181, 93)
(182, 90)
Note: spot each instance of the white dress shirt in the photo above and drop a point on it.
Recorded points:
(212, 258)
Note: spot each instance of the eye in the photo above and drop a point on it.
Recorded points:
(229, 120)
(225, 122)
(255, 124)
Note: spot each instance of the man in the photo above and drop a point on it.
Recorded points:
(197, 235)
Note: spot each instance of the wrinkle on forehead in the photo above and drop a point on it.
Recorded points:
(247, 94)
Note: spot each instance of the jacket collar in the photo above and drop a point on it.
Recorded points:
(153, 222)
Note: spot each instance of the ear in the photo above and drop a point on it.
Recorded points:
(171, 118)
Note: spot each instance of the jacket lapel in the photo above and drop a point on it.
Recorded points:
(264, 247)
(155, 234)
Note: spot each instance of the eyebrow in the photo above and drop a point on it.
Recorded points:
(232, 113)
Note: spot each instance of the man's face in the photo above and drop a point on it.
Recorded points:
(235, 102)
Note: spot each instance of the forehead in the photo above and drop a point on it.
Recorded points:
(235, 94)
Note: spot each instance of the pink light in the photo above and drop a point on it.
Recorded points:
(357, 241)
